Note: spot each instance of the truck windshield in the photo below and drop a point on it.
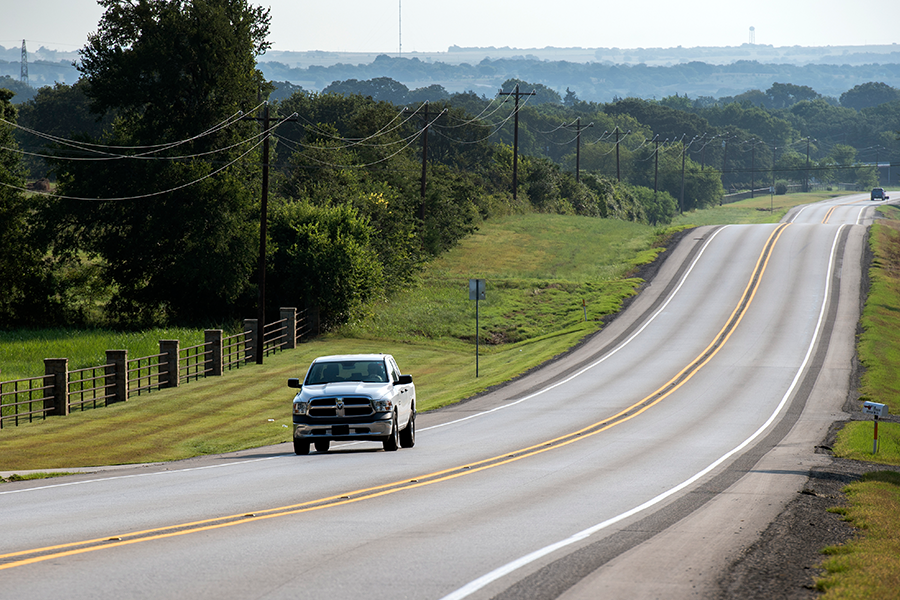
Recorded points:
(371, 371)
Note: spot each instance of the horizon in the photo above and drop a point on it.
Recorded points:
(383, 27)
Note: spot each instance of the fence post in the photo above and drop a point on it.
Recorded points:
(213, 339)
(251, 326)
(289, 316)
(56, 377)
(168, 368)
(117, 374)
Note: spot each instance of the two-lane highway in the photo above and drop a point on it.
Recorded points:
(560, 483)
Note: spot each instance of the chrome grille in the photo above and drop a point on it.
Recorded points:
(349, 406)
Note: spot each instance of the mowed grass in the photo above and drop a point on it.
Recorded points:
(869, 566)
(762, 209)
(430, 328)
(879, 346)
(22, 352)
(543, 272)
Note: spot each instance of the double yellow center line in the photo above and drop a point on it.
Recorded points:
(26, 557)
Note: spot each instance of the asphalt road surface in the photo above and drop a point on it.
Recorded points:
(636, 466)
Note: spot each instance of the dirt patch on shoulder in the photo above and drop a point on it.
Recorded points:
(785, 561)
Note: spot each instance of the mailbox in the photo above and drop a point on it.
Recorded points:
(873, 408)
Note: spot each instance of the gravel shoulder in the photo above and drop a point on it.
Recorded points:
(785, 561)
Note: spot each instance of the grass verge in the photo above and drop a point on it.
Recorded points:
(868, 567)
(545, 274)
(879, 347)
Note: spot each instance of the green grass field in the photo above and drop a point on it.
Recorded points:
(22, 352)
(540, 268)
(544, 273)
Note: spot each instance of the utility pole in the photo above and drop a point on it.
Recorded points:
(424, 156)
(263, 232)
(725, 163)
(681, 198)
(752, 168)
(806, 179)
(656, 165)
(618, 172)
(516, 93)
(578, 130)
(683, 153)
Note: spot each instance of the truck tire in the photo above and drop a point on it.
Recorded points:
(392, 442)
(408, 435)
(301, 448)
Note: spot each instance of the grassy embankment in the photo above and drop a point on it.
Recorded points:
(539, 270)
(869, 567)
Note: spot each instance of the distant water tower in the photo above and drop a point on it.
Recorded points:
(752, 34)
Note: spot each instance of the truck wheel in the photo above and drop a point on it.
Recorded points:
(301, 448)
(392, 442)
(322, 445)
(408, 435)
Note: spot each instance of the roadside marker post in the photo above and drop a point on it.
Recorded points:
(476, 293)
(876, 410)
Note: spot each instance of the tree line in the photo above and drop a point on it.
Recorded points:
(155, 158)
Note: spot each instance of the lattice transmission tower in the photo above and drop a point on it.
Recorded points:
(23, 72)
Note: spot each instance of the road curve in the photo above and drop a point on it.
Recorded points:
(669, 439)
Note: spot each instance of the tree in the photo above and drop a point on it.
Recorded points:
(542, 93)
(63, 111)
(869, 94)
(785, 95)
(173, 71)
(27, 294)
(326, 258)
(382, 89)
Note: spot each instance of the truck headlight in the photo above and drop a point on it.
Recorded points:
(383, 405)
(301, 408)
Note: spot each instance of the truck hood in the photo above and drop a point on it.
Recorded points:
(345, 388)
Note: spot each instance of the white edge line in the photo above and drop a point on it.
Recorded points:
(508, 568)
(599, 360)
(166, 472)
(473, 416)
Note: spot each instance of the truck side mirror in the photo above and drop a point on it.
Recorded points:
(293, 382)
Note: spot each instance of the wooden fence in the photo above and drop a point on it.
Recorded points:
(60, 390)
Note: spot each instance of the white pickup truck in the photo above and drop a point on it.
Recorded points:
(354, 397)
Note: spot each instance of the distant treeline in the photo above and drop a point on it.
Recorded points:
(595, 82)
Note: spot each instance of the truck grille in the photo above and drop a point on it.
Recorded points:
(340, 407)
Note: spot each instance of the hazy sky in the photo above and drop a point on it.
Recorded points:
(429, 26)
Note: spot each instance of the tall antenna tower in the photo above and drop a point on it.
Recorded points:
(752, 34)
(400, 27)
(23, 73)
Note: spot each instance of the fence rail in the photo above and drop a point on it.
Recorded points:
(193, 362)
(274, 336)
(61, 390)
(235, 349)
(143, 374)
(24, 398)
(85, 387)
